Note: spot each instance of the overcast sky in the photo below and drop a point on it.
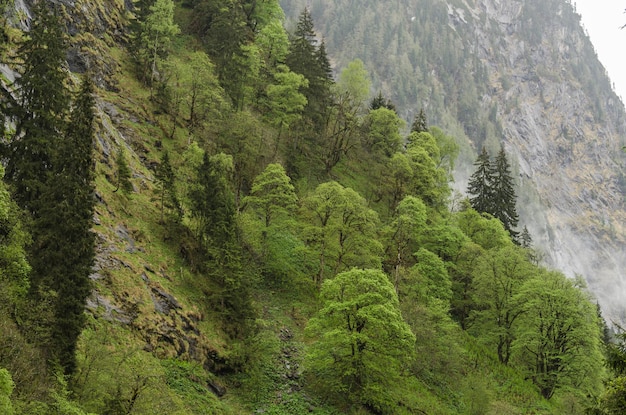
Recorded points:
(603, 19)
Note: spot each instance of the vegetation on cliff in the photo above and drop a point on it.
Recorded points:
(279, 244)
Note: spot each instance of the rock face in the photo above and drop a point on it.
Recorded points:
(519, 73)
(565, 133)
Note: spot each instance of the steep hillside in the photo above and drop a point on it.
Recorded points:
(520, 73)
(269, 238)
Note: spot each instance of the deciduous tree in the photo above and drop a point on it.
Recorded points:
(362, 344)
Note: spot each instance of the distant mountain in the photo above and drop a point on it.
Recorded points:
(523, 74)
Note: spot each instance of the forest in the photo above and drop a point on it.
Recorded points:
(199, 214)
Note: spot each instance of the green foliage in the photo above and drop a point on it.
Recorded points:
(558, 340)
(362, 341)
(498, 278)
(491, 189)
(272, 192)
(166, 181)
(154, 38)
(384, 132)
(6, 389)
(43, 103)
(341, 230)
(354, 81)
(123, 173)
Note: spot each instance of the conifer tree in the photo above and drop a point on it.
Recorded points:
(419, 124)
(480, 186)
(491, 189)
(41, 109)
(63, 245)
(504, 198)
(123, 173)
(311, 61)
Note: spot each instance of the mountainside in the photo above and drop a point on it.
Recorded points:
(205, 210)
(519, 73)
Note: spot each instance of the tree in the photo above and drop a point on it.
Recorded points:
(123, 173)
(491, 189)
(155, 37)
(284, 101)
(43, 103)
(480, 186)
(361, 342)
(356, 83)
(419, 123)
(498, 278)
(6, 389)
(558, 338)
(342, 230)
(504, 198)
(63, 247)
(409, 221)
(272, 192)
(381, 102)
(383, 135)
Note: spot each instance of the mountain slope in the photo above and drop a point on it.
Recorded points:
(521, 74)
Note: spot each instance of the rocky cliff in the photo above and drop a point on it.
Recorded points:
(520, 73)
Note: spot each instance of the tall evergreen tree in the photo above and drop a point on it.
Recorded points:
(419, 124)
(63, 244)
(480, 186)
(42, 108)
(504, 197)
(311, 61)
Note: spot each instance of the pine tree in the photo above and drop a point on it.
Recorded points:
(64, 246)
(525, 240)
(419, 124)
(123, 173)
(504, 198)
(311, 61)
(491, 189)
(480, 186)
(42, 108)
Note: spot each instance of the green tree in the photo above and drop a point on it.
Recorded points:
(307, 59)
(403, 236)
(504, 198)
(155, 37)
(284, 101)
(122, 173)
(558, 338)
(342, 230)
(498, 278)
(383, 132)
(272, 192)
(43, 104)
(355, 82)
(14, 281)
(419, 123)
(481, 184)
(6, 389)
(63, 243)
(362, 344)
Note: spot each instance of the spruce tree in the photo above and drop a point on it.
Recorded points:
(504, 197)
(419, 124)
(311, 61)
(42, 108)
(480, 186)
(123, 173)
(63, 241)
